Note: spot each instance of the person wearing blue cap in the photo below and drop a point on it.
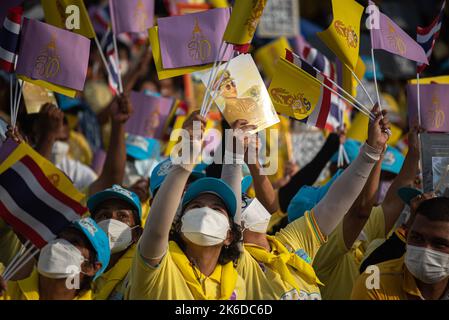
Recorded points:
(195, 260)
(118, 212)
(66, 266)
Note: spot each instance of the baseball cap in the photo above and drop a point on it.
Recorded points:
(214, 186)
(116, 192)
(141, 148)
(352, 148)
(246, 183)
(163, 168)
(308, 197)
(407, 194)
(99, 240)
(393, 160)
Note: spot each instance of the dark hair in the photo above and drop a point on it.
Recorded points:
(435, 209)
(227, 254)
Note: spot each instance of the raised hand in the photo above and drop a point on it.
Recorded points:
(121, 109)
(51, 121)
(379, 129)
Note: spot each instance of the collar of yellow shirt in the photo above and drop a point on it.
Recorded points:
(226, 275)
(278, 260)
(115, 275)
(30, 288)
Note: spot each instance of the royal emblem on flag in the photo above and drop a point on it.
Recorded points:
(47, 63)
(347, 32)
(141, 16)
(395, 40)
(297, 102)
(436, 113)
(255, 16)
(199, 47)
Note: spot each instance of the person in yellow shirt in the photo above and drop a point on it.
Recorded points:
(280, 266)
(195, 262)
(338, 261)
(66, 266)
(118, 212)
(423, 272)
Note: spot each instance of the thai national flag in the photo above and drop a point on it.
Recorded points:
(320, 115)
(427, 36)
(100, 18)
(32, 205)
(107, 43)
(9, 39)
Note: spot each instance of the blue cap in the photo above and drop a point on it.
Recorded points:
(393, 160)
(116, 192)
(67, 103)
(308, 197)
(162, 169)
(141, 148)
(246, 183)
(352, 148)
(215, 186)
(407, 194)
(99, 240)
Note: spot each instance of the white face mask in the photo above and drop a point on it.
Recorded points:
(427, 265)
(60, 149)
(255, 217)
(119, 234)
(205, 226)
(59, 259)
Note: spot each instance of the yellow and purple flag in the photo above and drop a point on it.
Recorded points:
(193, 39)
(245, 17)
(434, 106)
(134, 16)
(390, 37)
(53, 55)
(56, 15)
(343, 35)
(297, 94)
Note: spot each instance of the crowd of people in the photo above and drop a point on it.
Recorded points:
(159, 229)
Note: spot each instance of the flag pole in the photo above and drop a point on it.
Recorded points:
(13, 266)
(19, 99)
(21, 251)
(120, 84)
(103, 58)
(418, 99)
(361, 85)
(11, 106)
(375, 78)
(22, 264)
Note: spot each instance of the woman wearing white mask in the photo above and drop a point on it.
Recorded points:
(118, 212)
(280, 266)
(195, 262)
(66, 266)
(423, 272)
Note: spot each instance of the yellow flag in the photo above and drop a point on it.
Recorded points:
(168, 73)
(293, 91)
(57, 14)
(268, 55)
(244, 20)
(56, 176)
(439, 80)
(343, 35)
(50, 86)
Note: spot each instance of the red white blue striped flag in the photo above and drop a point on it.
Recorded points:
(107, 44)
(9, 39)
(32, 205)
(428, 36)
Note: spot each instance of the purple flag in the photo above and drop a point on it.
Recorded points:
(149, 116)
(54, 55)
(434, 106)
(131, 15)
(193, 39)
(390, 37)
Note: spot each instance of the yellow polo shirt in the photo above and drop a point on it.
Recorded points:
(111, 284)
(166, 282)
(337, 266)
(263, 283)
(28, 289)
(395, 283)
